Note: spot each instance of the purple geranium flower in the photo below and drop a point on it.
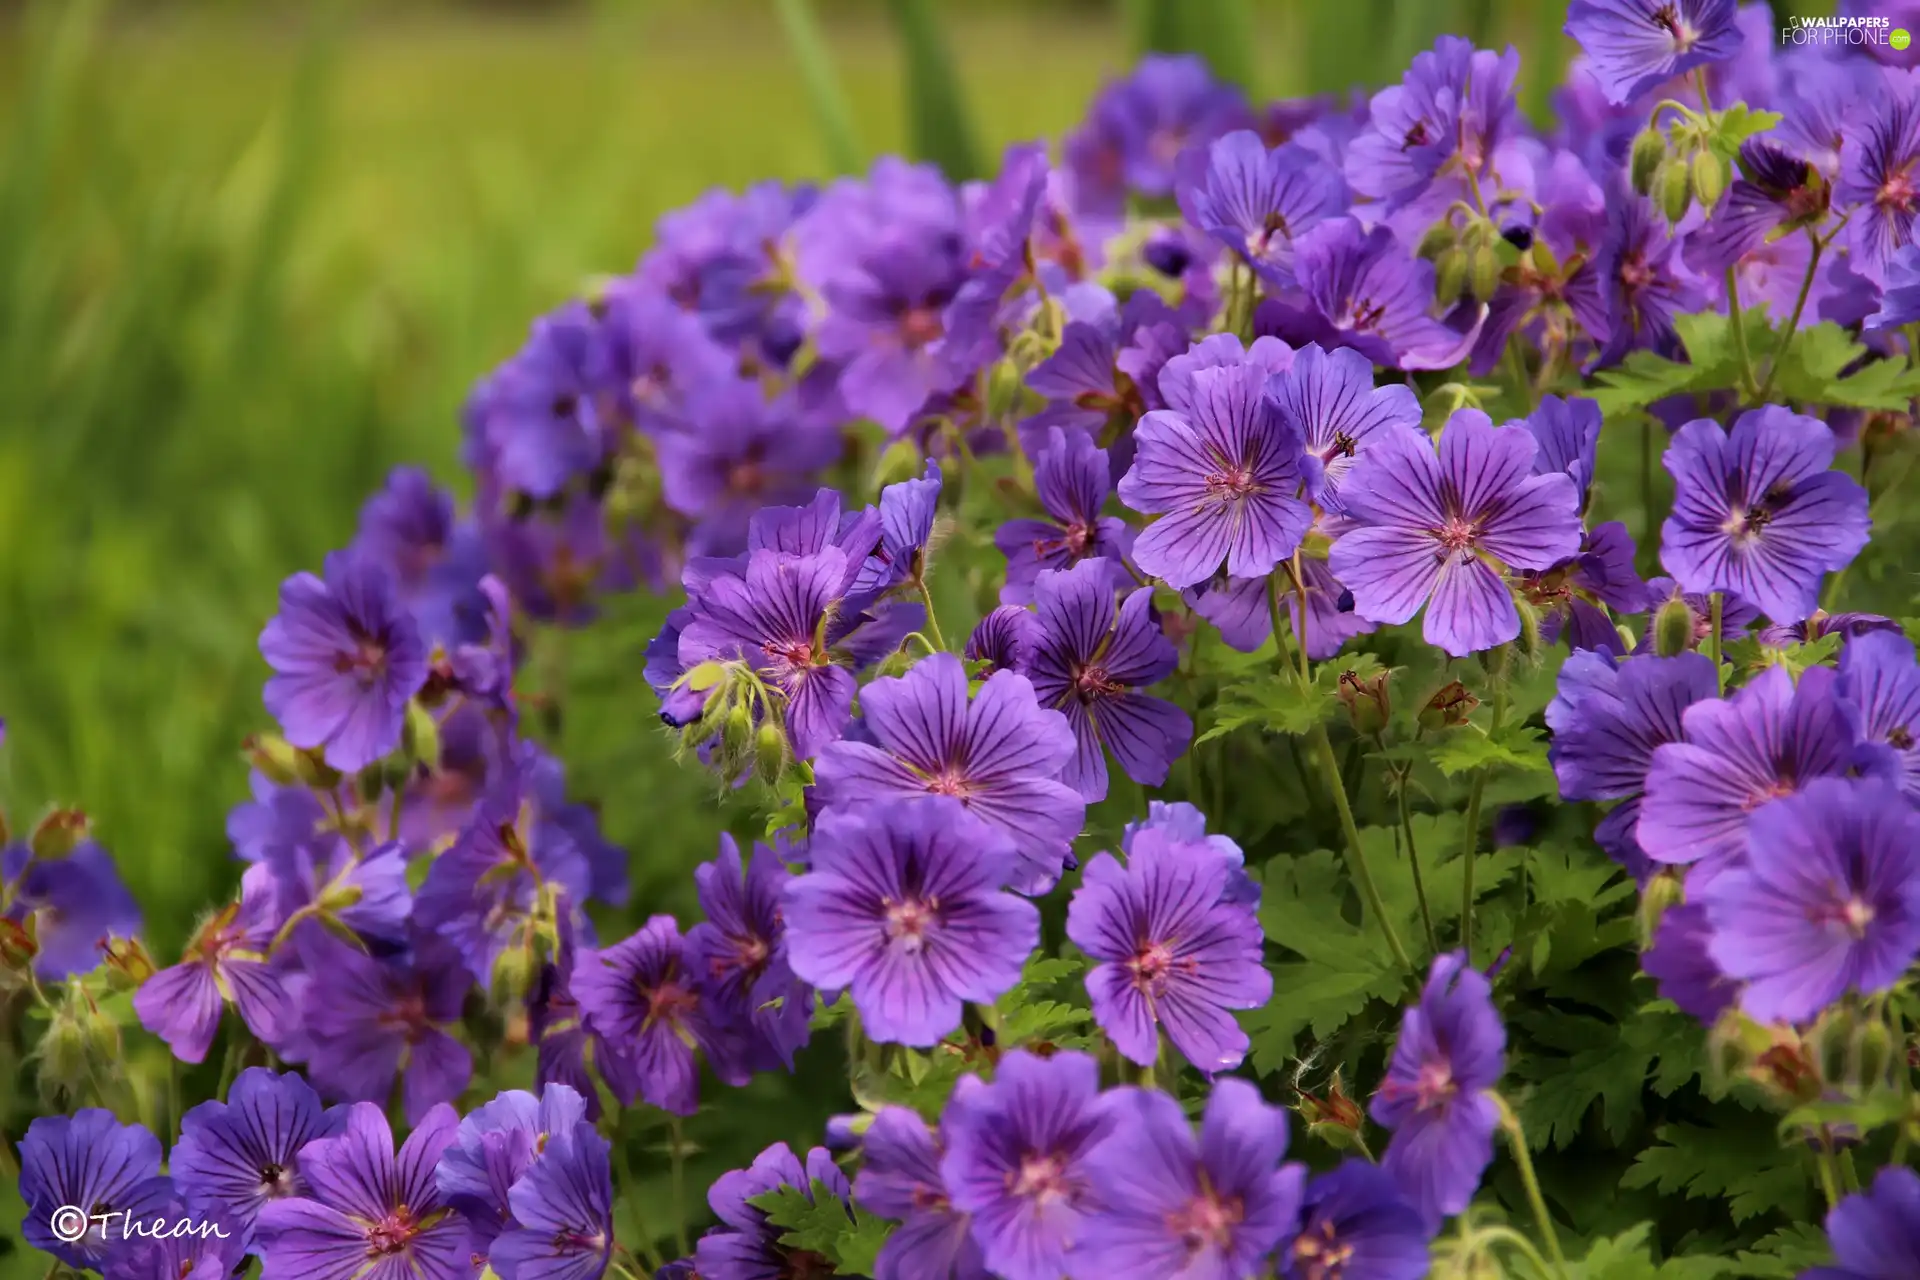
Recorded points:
(562, 1211)
(367, 1206)
(1876, 1233)
(903, 907)
(745, 1246)
(1020, 1159)
(92, 1162)
(999, 755)
(1329, 399)
(1760, 511)
(1088, 660)
(347, 657)
(774, 617)
(1737, 616)
(1768, 741)
(546, 416)
(1429, 525)
(1627, 296)
(1255, 201)
(1138, 127)
(369, 1020)
(1166, 1203)
(1634, 45)
(1900, 300)
(1826, 902)
(1878, 675)
(1072, 479)
(1225, 478)
(1607, 719)
(738, 954)
(1358, 1224)
(1172, 949)
(1779, 189)
(187, 1246)
(1567, 436)
(900, 1179)
(731, 450)
(492, 1149)
(1437, 1095)
(1447, 118)
(1880, 178)
(236, 1157)
(1003, 640)
(436, 560)
(1365, 291)
(640, 998)
(907, 511)
(1682, 965)
(76, 902)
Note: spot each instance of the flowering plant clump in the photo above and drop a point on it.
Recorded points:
(1288, 691)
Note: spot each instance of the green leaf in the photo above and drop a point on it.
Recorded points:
(1785, 1253)
(1750, 654)
(1747, 1169)
(1277, 701)
(936, 109)
(820, 1223)
(1601, 1064)
(1736, 124)
(1513, 747)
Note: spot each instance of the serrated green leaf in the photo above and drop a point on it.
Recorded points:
(1513, 747)
(819, 1222)
(1279, 703)
(1750, 1171)
(1784, 1253)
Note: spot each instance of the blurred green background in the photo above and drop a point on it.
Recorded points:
(253, 256)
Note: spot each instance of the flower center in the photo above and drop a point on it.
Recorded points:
(278, 1181)
(1321, 1254)
(1457, 535)
(751, 953)
(1041, 1176)
(1667, 17)
(1900, 738)
(950, 782)
(1778, 788)
(1361, 315)
(1079, 538)
(669, 1002)
(1091, 682)
(1898, 191)
(1233, 482)
(1275, 224)
(366, 662)
(392, 1233)
(920, 326)
(1343, 446)
(791, 653)
(1851, 914)
(908, 921)
(1151, 964)
(1207, 1220)
(1633, 273)
(1434, 1087)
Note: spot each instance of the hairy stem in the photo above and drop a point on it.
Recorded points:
(1517, 1143)
(1470, 843)
(1793, 321)
(1740, 337)
(1715, 607)
(1413, 861)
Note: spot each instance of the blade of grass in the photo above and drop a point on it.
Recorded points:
(937, 115)
(824, 93)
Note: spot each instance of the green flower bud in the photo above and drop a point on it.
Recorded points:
(1528, 641)
(1673, 189)
(274, 757)
(127, 963)
(1545, 260)
(1367, 702)
(420, 736)
(1673, 625)
(737, 733)
(17, 950)
(1709, 178)
(513, 975)
(901, 461)
(1873, 1054)
(1664, 891)
(1440, 237)
(1450, 274)
(770, 753)
(56, 834)
(313, 770)
(1649, 151)
(1483, 272)
(62, 1055)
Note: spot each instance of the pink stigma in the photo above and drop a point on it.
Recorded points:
(1324, 1256)
(1668, 17)
(1233, 483)
(1041, 1176)
(1898, 191)
(1852, 915)
(1207, 1220)
(366, 662)
(920, 326)
(1151, 964)
(948, 782)
(1434, 1086)
(1079, 538)
(1457, 534)
(1093, 682)
(907, 922)
(1777, 789)
(392, 1234)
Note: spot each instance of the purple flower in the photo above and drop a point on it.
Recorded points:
(1900, 300)
(368, 1206)
(1171, 950)
(745, 1246)
(1166, 1203)
(738, 954)
(1627, 296)
(219, 1252)
(1759, 511)
(1634, 45)
(1225, 478)
(1737, 616)
(236, 1157)
(900, 1179)
(1780, 189)
(370, 1020)
(774, 618)
(1768, 741)
(562, 1211)
(491, 1151)
(1255, 201)
(1429, 525)
(1003, 640)
(1608, 719)
(1072, 479)
(92, 1162)
(1682, 965)
(903, 907)
(1567, 436)
(75, 901)
(1365, 291)
(1573, 596)
(1138, 127)
(1878, 675)
(1000, 756)
(1826, 902)
(1329, 399)
(1181, 823)
(1437, 1095)
(1447, 117)
(435, 560)
(1878, 178)
(1020, 1159)
(907, 510)
(731, 450)
(1088, 659)
(1819, 623)
(347, 658)
(1358, 1224)
(640, 998)
(1876, 1233)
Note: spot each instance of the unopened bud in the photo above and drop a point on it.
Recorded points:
(513, 974)
(1663, 892)
(736, 734)
(1673, 625)
(1440, 237)
(1450, 274)
(1649, 150)
(1005, 385)
(1873, 1055)
(420, 736)
(769, 753)
(1483, 272)
(1528, 641)
(17, 950)
(62, 1054)
(1449, 707)
(127, 963)
(103, 1041)
(1367, 702)
(1709, 178)
(900, 462)
(311, 767)
(1830, 1042)
(371, 782)
(1545, 260)
(1673, 189)
(339, 896)
(273, 757)
(1788, 1071)
(56, 834)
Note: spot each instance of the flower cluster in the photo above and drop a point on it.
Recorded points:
(1163, 428)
